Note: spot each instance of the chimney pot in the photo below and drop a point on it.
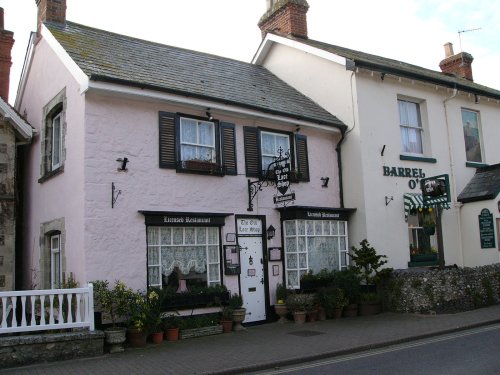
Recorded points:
(448, 49)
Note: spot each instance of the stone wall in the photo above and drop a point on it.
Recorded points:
(38, 348)
(443, 291)
(7, 205)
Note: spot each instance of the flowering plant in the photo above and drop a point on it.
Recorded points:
(145, 311)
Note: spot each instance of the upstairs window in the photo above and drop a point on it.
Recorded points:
(470, 122)
(192, 144)
(53, 137)
(411, 127)
(262, 147)
(271, 144)
(56, 141)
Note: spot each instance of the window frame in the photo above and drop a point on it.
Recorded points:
(479, 135)
(343, 257)
(160, 246)
(55, 255)
(197, 144)
(56, 119)
(275, 134)
(413, 127)
(170, 142)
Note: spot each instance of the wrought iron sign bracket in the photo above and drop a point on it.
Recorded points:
(255, 186)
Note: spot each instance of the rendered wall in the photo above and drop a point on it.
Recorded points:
(115, 238)
(60, 196)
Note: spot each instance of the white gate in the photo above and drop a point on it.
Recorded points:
(252, 280)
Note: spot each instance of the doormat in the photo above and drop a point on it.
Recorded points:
(306, 333)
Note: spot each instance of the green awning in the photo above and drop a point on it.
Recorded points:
(416, 201)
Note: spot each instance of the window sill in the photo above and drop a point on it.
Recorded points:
(203, 168)
(49, 175)
(471, 164)
(417, 158)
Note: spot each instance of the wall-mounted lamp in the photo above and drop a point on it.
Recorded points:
(476, 99)
(325, 181)
(271, 231)
(124, 162)
(382, 76)
(209, 115)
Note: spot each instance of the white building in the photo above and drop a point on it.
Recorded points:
(405, 123)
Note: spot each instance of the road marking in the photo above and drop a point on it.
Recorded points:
(389, 349)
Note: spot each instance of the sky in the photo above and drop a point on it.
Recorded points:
(413, 31)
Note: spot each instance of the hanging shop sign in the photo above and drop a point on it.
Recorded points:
(277, 174)
(435, 189)
(414, 174)
(486, 230)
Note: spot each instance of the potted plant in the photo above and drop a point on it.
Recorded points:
(348, 280)
(428, 224)
(226, 319)
(368, 266)
(137, 330)
(340, 302)
(239, 312)
(280, 307)
(153, 317)
(171, 324)
(298, 304)
(113, 303)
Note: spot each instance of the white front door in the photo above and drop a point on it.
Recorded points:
(252, 278)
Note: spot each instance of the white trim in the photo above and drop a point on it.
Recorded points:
(26, 67)
(55, 252)
(57, 152)
(203, 104)
(22, 127)
(68, 62)
(268, 41)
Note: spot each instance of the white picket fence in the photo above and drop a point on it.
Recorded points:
(37, 310)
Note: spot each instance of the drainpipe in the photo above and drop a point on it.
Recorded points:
(452, 174)
(339, 166)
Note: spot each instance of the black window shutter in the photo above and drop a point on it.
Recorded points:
(302, 158)
(228, 148)
(167, 140)
(252, 151)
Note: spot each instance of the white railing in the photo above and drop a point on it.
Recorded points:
(37, 310)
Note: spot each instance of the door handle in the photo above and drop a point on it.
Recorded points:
(262, 281)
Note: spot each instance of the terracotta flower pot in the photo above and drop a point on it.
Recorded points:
(136, 338)
(156, 337)
(321, 313)
(351, 310)
(299, 317)
(312, 316)
(171, 334)
(227, 326)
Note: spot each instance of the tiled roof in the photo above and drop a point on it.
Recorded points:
(383, 64)
(110, 57)
(483, 186)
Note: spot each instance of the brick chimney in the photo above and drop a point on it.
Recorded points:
(459, 64)
(6, 43)
(285, 17)
(50, 11)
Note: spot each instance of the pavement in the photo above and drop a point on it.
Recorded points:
(270, 345)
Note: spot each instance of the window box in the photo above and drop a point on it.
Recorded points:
(201, 166)
(423, 258)
(180, 300)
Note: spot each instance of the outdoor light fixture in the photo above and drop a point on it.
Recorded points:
(271, 231)
(325, 181)
(124, 162)
(209, 115)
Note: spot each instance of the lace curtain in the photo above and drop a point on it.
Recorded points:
(411, 129)
(197, 140)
